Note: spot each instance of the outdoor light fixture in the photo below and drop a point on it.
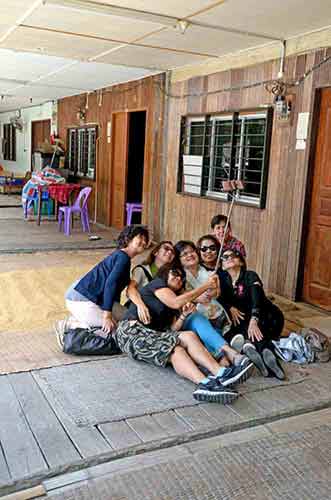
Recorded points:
(182, 25)
(283, 108)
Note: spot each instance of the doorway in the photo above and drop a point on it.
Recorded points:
(40, 131)
(128, 158)
(317, 261)
(136, 158)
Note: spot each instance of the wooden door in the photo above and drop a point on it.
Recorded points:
(317, 272)
(40, 132)
(119, 168)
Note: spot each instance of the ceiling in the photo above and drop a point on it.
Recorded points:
(56, 48)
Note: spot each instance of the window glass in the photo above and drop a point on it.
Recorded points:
(224, 147)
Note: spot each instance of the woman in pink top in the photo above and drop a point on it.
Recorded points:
(218, 224)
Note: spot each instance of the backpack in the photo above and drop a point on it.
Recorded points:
(319, 343)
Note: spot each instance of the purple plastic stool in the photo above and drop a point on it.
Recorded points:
(130, 208)
(80, 206)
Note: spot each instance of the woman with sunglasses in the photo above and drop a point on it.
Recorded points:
(256, 320)
(163, 340)
(208, 247)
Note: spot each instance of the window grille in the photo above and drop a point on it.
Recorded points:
(82, 151)
(215, 148)
(9, 142)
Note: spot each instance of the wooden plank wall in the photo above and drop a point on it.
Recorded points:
(139, 95)
(272, 236)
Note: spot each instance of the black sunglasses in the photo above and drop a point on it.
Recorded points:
(176, 273)
(212, 248)
(228, 256)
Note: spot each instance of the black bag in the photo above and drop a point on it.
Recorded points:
(84, 341)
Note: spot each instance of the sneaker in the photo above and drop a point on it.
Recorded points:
(237, 342)
(241, 360)
(271, 362)
(60, 328)
(236, 374)
(214, 392)
(256, 358)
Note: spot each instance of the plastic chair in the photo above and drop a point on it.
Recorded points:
(32, 199)
(130, 208)
(80, 206)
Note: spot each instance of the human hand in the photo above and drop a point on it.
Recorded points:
(204, 298)
(213, 281)
(236, 315)
(254, 332)
(108, 324)
(188, 309)
(143, 314)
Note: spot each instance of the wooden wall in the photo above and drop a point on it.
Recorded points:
(273, 236)
(133, 96)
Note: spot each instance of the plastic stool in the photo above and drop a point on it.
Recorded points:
(130, 208)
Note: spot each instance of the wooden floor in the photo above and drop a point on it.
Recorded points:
(37, 440)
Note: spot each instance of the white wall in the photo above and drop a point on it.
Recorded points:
(23, 138)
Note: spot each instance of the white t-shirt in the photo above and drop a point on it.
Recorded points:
(212, 309)
(138, 275)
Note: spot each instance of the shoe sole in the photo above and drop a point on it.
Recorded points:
(241, 377)
(225, 398)
(237, 344)
(257, 360)
(270, 361)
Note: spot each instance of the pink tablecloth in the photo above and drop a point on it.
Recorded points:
(62, 192)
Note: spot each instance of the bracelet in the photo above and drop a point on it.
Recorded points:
(255, 317)
(182, 318)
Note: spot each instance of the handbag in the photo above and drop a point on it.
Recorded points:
(319, 343)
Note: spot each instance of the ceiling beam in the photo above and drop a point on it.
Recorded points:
(120, 42)
(170, 21)
(21, 20)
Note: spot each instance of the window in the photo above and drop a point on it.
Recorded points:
(82, 151)
(9, 142)
(216, 148)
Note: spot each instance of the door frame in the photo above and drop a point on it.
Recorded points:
(31, 135)
(313, 133)
(147, 156)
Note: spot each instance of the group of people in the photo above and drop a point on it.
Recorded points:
(212, 324)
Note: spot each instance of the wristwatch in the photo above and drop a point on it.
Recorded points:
(255, 317)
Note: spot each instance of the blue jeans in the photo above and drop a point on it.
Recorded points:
(210, 337)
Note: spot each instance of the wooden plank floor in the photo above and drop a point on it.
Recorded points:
(35, 438)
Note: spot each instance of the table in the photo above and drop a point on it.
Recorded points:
(60, 193)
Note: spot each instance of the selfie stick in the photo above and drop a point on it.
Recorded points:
(233, 188)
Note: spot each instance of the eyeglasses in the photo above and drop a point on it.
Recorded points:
(187, 253)
(177, 274)
(228, 256)
(167, 249)
(212, 248)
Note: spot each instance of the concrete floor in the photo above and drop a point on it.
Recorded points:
(286, 459)
(18, 235)
(234, 458)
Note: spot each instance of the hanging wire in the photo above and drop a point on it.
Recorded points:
(273, 86)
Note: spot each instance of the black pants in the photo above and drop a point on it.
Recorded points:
(271, 324)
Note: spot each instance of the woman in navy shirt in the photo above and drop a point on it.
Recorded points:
(94, 299)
